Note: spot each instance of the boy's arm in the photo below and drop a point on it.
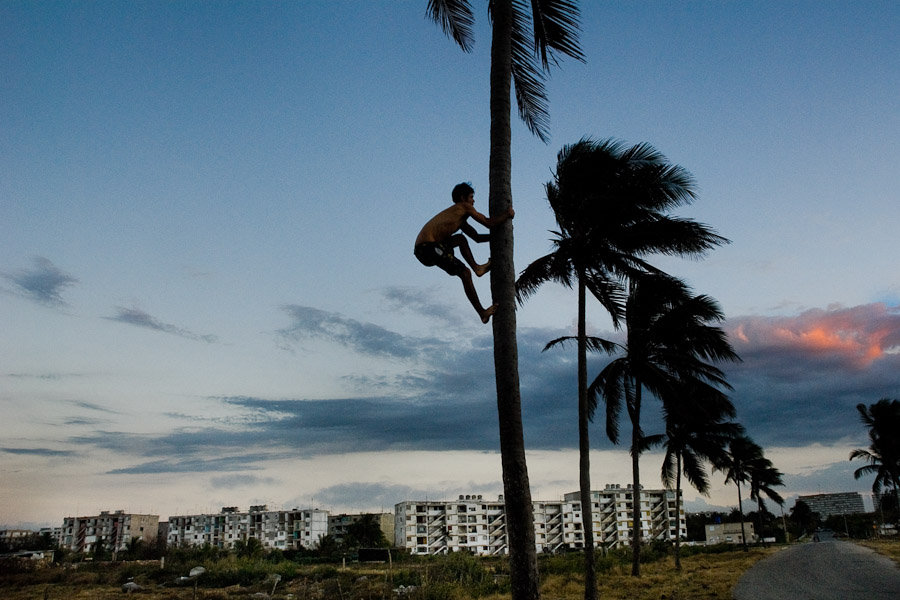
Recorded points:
(490, 222)
(470, 231)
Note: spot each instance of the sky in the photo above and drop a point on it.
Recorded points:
(208, 295)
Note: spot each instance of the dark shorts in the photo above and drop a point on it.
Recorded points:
(434, 254)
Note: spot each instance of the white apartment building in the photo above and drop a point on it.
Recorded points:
(611, 515)
(477, 525)
(275, 529)
(110, 530)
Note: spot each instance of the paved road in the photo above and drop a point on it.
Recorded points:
(826, 570)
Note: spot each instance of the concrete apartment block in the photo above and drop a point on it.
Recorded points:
(114, 530)
(275, 529)
(476, 525)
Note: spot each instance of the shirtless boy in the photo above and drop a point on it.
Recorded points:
(438, 238)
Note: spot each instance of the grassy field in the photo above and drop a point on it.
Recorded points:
(888, 547)
(704, 576)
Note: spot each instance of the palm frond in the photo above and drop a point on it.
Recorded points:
(609, 385)
(596, 344)
(560, 341)
(456, 20)
(556, 29)
(550, 267)
(528, 79)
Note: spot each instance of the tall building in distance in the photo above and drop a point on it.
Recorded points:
(275, 529)
(108, 531)
(841, 503)
(477, 525)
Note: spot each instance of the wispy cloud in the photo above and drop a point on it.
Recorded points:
(229, 482)
(139, 318)
(38, 451)
(92, 406)
(43, 284)
(422, 302)
(195, 464)
(45, 376)
(365, 338)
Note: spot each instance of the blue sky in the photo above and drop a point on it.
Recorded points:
(207, 289)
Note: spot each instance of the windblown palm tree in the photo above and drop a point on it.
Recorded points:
(609, 203)
(669, 338)
(696, 433)
(737, 466)
(883, 454)
(764, 477)
(524, 44)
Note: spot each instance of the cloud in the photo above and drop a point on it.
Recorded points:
(789, 392)
(368, 494)
(45, 376)
(95, 407)
(850, 338)
(37, 452)
(421, 302)
(43, 284)
(803, 375)
(368, 339)
(229, 482)
(139, 318)
(196, 464)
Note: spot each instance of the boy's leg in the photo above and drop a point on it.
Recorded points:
(460, 241)
(472, 295)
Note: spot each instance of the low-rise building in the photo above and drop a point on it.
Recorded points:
(108, 530)
(730, 533)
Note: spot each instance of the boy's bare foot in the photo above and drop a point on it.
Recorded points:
(486, 315)
(482, 269)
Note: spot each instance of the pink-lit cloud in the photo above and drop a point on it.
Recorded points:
(855, 337)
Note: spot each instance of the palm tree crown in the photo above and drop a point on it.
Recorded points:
(610, 204)
(883, 454)
(737, 466)
(696, 433)
(539, 37)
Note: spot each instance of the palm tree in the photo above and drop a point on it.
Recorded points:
(608, 202)
(883, 454)
(668, 338)
(521, 52)
(696, 432)
(764, 477)
(736, 464)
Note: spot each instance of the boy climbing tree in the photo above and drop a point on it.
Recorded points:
(438, 238)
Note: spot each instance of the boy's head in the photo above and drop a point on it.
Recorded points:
(462, 191)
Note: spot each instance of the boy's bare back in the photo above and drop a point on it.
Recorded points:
(444, 224)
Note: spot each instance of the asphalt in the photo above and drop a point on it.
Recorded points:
(825, 570)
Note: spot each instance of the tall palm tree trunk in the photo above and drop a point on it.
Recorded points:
(741, 512)
(636, 482)
(584, 448)
(516, 489)
(678, 512)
